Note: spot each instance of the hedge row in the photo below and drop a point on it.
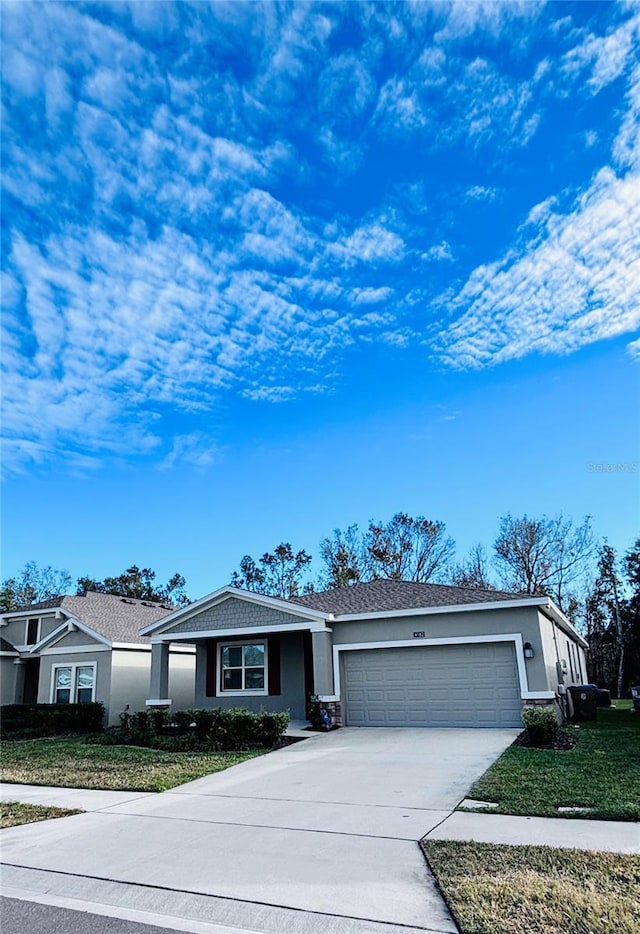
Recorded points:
(31, 720)
(208, 729)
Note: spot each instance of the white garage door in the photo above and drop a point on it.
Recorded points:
(446, 685)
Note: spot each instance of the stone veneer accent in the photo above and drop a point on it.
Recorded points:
(236, 614)
(334, 709)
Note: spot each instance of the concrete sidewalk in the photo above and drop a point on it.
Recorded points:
(85, 799)
(566, 833)
(563, 832)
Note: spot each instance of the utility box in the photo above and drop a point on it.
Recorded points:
(584, 698)
(635, 696)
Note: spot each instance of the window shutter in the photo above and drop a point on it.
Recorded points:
(274, 665)
(212, 653)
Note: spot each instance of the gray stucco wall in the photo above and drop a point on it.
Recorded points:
(72, 639)
(7, 680)
(15, 631)
(130, 673)
(522, 620)
(48, 624)
(235, 614)
(103, 673)
(558, 645)
(292, 686)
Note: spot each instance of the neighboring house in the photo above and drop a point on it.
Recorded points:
(87, 648)
(384, 653)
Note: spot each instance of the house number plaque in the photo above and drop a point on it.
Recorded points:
(420, 634)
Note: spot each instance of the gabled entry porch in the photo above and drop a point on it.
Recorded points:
(251, 651)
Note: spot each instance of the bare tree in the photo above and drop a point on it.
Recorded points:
(544, 556)
(345, 558)
(276, 574)
(474, 570)
(407, 548)
(32, 585)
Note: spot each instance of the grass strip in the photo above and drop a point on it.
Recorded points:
(494, 889)
(13, 813)
(75, 763)
(602, 772)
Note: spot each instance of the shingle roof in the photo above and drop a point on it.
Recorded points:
(380, 595)
(117, 618)
(51, 604)
(5, 646)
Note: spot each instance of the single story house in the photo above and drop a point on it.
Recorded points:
(384, 653)
(87, 648)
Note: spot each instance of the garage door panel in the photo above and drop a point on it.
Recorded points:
(457, 686)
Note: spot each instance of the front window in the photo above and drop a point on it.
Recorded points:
(243, 667)
(73, 684)
(32, 631)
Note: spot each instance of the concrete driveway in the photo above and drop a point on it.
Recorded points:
(319, 836)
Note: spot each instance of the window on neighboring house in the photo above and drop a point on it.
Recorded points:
(73, 684)
(242, 668)
(32, 631)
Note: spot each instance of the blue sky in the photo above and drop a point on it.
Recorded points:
(272, 269)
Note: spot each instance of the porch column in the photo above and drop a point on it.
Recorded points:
(18, 694)
(159, 682)
(322, 663)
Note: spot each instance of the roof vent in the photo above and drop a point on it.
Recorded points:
(125, 600)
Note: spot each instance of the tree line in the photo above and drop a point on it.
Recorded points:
(35, 584)
(595, 586)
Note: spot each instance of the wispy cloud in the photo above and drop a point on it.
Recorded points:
(195, 449)
(481, 193)
(438, 252)
(204, 201)
(603, 57)
(372, 243)
(633, 349)
(576, 283)
(573, 281)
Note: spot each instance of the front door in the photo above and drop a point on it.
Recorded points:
(31, 680)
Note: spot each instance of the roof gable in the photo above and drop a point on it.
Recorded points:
(70, 627)
(117, 619)
(230, 608)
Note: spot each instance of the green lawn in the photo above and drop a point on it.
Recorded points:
(536, 890)
(602, 772)
(13, 813)
(75, 763)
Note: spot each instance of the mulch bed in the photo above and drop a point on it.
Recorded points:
(563, 741)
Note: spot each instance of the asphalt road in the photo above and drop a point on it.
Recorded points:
(21, 917)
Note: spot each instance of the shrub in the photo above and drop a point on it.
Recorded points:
(541, 725)
(182, 720)
(204, 719)
(201, 730)
(141, 721)
(314, 712)
(272, 727)
(158, 719)
(32, 720)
